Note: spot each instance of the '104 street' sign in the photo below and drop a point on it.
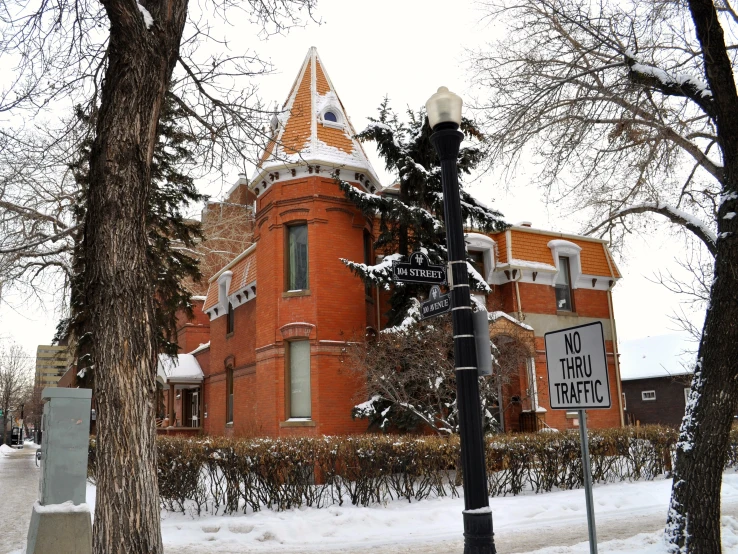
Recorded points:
(418, 270)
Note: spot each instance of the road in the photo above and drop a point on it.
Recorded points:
(19, 485)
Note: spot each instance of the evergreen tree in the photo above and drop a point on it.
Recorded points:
(414, 219)
(171, 236)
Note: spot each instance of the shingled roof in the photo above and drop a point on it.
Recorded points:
(305, 131)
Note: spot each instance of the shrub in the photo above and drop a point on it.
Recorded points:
(227, 475)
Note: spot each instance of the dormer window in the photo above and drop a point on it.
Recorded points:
(563, 286)
(331, 116)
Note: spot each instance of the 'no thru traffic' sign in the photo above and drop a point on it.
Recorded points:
(577, 368)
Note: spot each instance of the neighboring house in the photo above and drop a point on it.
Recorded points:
(658, 399)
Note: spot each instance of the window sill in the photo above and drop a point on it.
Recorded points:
(229, 424)
(566, 313)
(229, 335)
(297, 423)
(293, 293)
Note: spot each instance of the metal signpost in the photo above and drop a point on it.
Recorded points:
(419, 270)
(437, 304)
(578, 380)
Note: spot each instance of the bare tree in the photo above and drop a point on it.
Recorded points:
(16, 381)
(409, 379)
(119, 58)
(631, 108)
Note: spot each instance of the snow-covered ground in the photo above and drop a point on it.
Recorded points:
(555, 523)
(630, 517)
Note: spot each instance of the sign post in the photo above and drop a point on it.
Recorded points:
(578, 380)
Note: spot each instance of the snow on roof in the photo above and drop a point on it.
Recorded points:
(303, 135)
(494, 316)
(203, 346)
(243, 268)
(184, 370)
(664, 375)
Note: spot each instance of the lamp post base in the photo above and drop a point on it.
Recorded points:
(478, 533)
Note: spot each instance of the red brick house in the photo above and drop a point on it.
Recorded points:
(278, 315)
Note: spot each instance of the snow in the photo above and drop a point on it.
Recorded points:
(525, 264)
(729, 215)
(67, 507)
(185, 368)
(634, 512)
(148, 20)
(5, 449)
(494, 316)
(203, 346)
(680, 79)
(411, 318)
(203, 298)
(689, 218)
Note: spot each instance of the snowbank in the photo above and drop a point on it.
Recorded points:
(426, 525)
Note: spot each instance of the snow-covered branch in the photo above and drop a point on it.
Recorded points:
(675, 215)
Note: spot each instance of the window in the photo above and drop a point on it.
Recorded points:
(229, 395)
(230, 320)
(299, 379)
(648, 395)
(330, 116)
(297, 258)
(625, 405)
(477, 261)
(563, 286)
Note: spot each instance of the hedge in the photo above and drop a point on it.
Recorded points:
(226, 475)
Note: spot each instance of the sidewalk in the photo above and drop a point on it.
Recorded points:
(19, 485)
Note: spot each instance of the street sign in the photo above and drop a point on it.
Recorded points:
(577, 368)
(578, 380)
(437, 303)
(418, 270)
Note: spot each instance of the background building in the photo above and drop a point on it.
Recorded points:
(51, 364)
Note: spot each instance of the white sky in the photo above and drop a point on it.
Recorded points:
(407, 49)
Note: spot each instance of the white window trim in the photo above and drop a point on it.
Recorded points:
(482, 243)
(224, 283)
(648, 392)
(560, 247)
(333, 124)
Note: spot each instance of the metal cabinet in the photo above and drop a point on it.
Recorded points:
(66, 430)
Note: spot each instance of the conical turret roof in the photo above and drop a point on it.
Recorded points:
(314, 129)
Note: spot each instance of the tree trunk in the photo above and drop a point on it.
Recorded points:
(693, 523)
(118, 282)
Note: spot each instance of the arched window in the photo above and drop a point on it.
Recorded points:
(330, 116)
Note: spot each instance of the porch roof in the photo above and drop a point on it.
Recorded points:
(183, 369)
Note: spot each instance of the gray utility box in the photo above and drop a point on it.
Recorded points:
(66, 435)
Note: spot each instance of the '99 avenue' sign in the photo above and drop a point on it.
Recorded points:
(577, 368)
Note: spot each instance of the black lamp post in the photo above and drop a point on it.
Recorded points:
(444, 116)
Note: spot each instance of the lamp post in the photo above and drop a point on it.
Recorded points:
(444, 116)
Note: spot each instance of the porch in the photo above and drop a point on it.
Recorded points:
(179, 391)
